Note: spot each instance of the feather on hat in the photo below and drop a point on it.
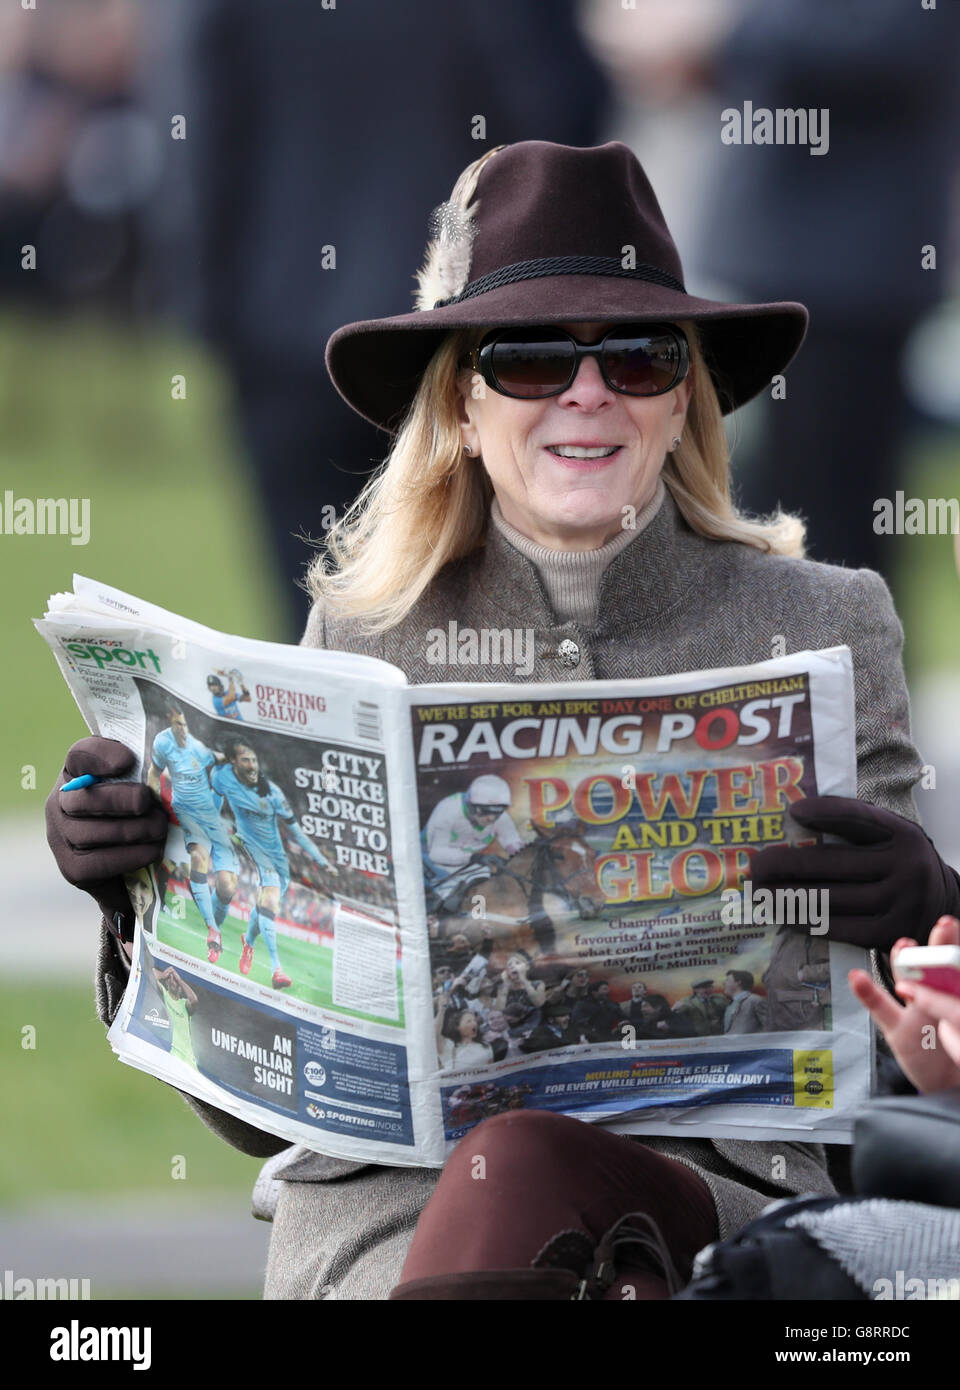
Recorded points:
(446, 268)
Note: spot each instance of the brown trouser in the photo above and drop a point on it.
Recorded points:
(519, 1179)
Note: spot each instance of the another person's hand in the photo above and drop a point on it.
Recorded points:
(888, 875)
(102, 832)
(924, 1035)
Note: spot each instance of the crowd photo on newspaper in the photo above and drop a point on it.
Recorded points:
(555, 921)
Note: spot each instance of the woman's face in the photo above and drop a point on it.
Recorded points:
(515, 966)
(141, 893)
(468, 1027)
(572, 504)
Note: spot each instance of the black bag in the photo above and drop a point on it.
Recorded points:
(766, 1261)
(906, 1148)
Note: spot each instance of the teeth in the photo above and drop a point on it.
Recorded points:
(572, 451)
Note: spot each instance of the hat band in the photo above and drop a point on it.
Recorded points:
(561, 265)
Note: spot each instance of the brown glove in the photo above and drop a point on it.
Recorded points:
(888, 881)
(99, 833)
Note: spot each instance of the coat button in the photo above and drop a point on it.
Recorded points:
(569, 652)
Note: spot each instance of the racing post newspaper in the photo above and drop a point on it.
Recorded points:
(386, 912)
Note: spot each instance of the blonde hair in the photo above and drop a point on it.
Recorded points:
(428, 503)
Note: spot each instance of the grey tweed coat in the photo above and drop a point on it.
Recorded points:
(670, 601)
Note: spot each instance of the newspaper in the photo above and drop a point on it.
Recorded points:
(385, 912)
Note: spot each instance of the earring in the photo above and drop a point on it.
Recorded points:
(468, 451)
(675, 443)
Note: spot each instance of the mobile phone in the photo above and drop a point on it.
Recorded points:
(937, 967)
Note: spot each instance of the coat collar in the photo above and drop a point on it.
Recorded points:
(661, 568)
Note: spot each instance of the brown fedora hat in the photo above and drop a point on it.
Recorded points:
(556, 234)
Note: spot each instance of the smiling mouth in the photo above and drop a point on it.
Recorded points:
(583, 452)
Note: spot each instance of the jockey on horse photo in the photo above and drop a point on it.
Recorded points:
(457, 834)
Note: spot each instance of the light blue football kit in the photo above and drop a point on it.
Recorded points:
(256, 817)
(194, 803)
(257, 827)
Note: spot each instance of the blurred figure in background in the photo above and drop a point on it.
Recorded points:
(841, 230)
(282, 213)
(844, 231)
(77, 158)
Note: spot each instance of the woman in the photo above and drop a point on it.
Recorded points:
(519, 998)
(141, 895)
(560, 467)
(458, 1040)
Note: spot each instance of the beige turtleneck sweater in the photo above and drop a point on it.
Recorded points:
(571, 578)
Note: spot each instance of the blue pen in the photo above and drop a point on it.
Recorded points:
(87, 780)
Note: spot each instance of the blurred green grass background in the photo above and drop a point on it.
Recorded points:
(87, 412)
(77, 1120)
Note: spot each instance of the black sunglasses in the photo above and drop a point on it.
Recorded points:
(532, 363)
